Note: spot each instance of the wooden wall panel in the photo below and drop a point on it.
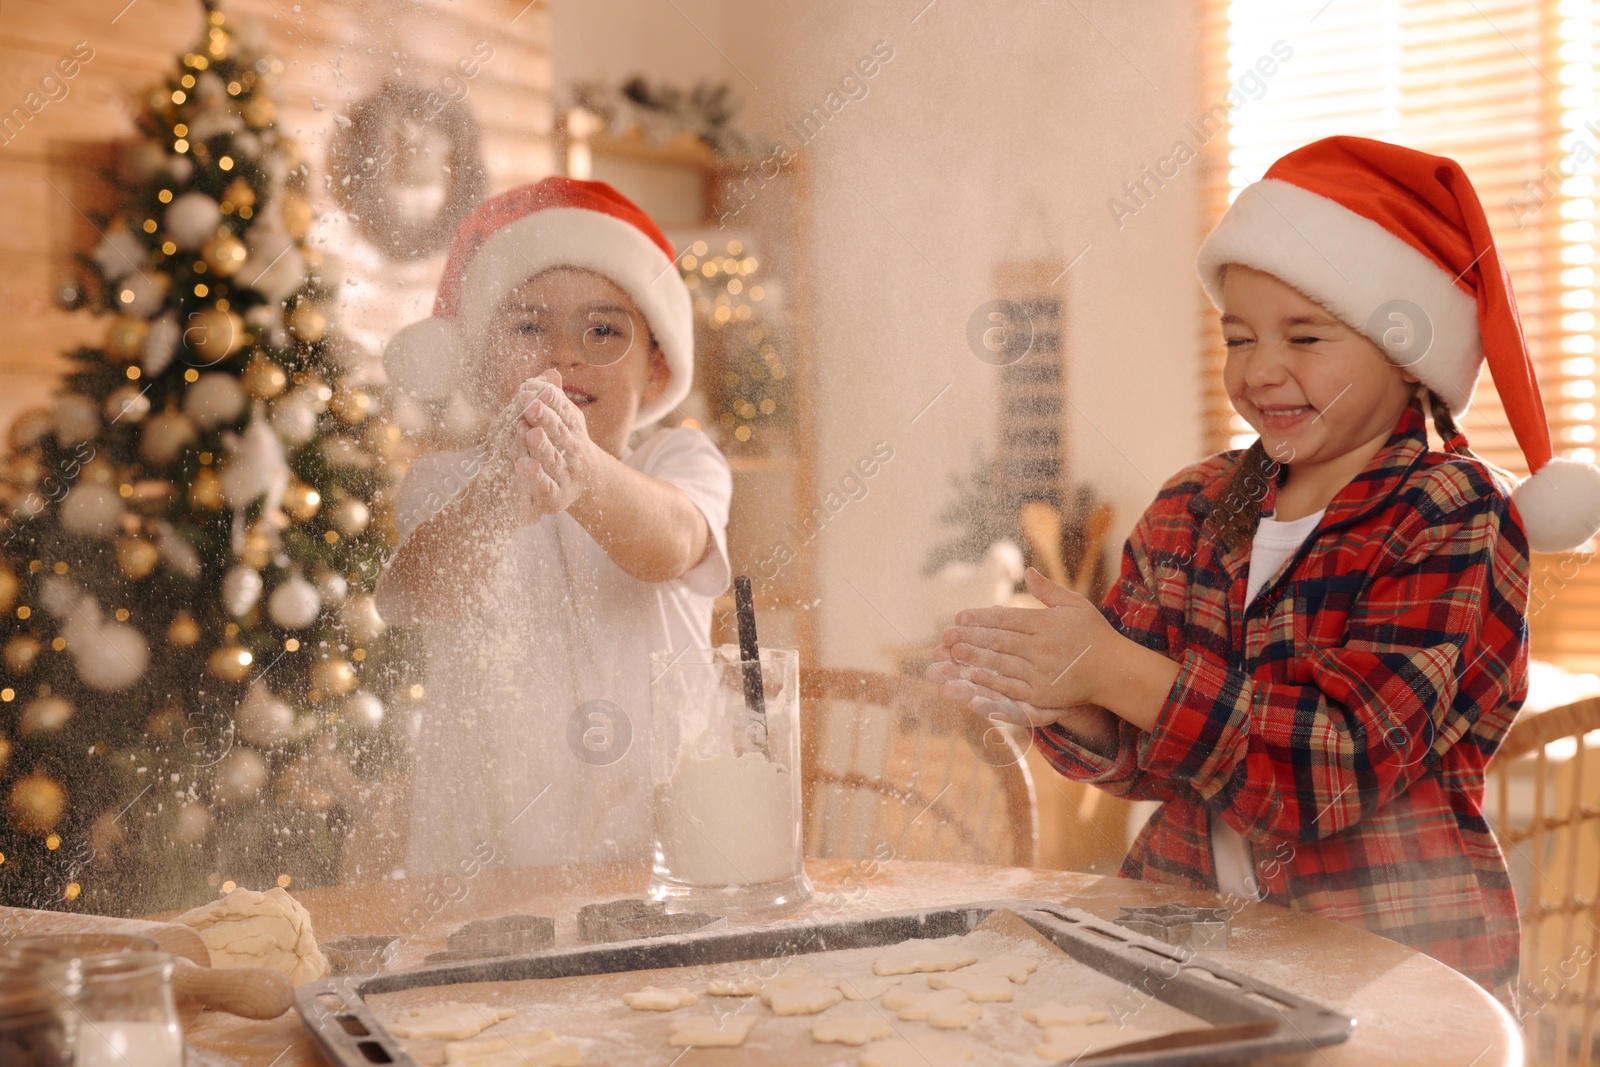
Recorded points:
(335, 52)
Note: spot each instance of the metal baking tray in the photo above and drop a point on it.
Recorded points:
(336, 1013)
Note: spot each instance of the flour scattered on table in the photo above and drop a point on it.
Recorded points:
(947, 1009)
(851, 1029)
(741, 985)
(917, 956)
(446, 1022)
(1055, 1013)
(866, 988)
(710, 1031)
(1070, 1042)
(535, 1048)
(927, 1051)
(652, 999)
(975, 984)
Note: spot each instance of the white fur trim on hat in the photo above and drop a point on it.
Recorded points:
(423, 359)
(1353, 267)
(1559, 505)
(589, 240)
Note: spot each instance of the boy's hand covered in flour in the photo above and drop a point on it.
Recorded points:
(558, 461)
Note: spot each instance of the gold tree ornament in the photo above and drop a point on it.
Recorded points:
(260, 111)
(136, 557)
(296, 214)
(224, 254)
(206, 490)
(127, 403)
(44, 714)
(164, 436)
(230, 662)
(264, 378)
(20, 653)
(257, 547)
(183, 631)
(350, 516)
(334, 675)
(239, 194)
(36, 803)
(353, 406)
(125, 337)
(308, 324)
(301, 501)
(213, 334)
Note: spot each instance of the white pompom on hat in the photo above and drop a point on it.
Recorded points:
(1396, 244)
(510, 238)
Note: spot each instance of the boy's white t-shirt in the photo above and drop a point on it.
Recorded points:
(535, 726)
(1274, 543)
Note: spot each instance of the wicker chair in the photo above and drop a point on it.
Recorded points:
(1544, 798)
(889, 765)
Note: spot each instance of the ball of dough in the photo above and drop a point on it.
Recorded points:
(251, 929)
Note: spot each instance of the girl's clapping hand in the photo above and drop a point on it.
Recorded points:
(1039, 658)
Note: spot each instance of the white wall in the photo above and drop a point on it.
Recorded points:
(995, 131)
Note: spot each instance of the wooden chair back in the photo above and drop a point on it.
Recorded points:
(892, 769)
(1543, 799)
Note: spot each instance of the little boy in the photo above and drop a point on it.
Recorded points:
(542, 566)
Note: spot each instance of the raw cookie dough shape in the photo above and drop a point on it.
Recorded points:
(651, 998)
(739, 985)
(866, 988)
(711, 1031)
(800, 998)
(851, 1029)
(446, 1022)
(1070, 1042)
(913, 957)
(1015, 968)
(929, 1050)
(975, 984)
(947, 1009)
(1054, 1013)
(535, 1048)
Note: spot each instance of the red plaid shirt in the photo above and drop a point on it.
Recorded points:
(1340, 723)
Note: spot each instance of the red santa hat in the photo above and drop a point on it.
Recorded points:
(558, 222)
(1380, 235)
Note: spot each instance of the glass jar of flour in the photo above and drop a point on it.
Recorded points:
(726, 782)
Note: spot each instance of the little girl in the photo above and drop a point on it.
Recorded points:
(543, 565)
(1317, 643)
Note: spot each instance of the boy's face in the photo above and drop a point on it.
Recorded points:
(1311, 386)
(584, 326)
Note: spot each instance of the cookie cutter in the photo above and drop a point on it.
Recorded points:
(624, 920)
(362, 954)
(508, 935)
(1179, 924)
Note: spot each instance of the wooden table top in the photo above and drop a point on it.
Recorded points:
(1409, 1008)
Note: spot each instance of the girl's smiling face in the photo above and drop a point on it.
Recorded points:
(584, 326)
(1311, 386)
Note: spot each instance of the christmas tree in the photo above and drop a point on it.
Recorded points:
(198, 690)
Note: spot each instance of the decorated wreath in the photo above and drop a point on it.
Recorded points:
(407, 165)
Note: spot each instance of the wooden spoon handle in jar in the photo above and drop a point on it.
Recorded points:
(250, 992)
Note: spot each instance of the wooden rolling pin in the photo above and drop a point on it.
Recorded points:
(250, 992)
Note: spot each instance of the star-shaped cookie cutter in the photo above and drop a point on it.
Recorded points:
(1180, 924)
